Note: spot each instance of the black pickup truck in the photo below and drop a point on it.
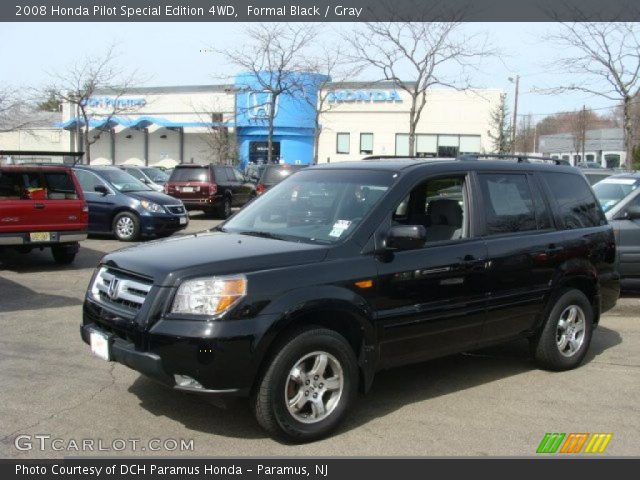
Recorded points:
(345, 269)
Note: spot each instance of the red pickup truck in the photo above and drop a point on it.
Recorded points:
(42, 207)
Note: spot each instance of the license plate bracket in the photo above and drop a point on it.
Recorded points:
(100, 345)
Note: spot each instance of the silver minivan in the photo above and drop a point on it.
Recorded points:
(619, 196)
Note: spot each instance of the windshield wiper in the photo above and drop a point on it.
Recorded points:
(255, 233)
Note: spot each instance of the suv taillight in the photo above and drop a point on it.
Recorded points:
(260, 188)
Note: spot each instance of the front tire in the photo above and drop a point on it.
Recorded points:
(308, 386)
(126, 227)
(566, 335)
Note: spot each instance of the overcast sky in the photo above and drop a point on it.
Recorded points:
(170, 54)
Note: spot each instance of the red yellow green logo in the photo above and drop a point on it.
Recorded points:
(592, 443)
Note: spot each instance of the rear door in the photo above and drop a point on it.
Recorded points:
(524, 250)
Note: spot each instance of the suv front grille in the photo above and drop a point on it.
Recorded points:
(176, 209)
(123, 290)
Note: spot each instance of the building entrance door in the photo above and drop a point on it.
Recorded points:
(258, 152)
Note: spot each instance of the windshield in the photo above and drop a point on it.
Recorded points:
(611, 191)
(155, 174)
(123, 181)
(316, 206)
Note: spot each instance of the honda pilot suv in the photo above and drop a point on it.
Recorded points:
(343, 270)
(215, 189)
(42, 207)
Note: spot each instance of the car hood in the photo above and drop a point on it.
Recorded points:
(211, 253)
(155, 197)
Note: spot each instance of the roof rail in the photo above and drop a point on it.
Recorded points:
(513, 157)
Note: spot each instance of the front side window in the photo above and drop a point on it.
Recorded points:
(439, 205)
(508, 203)
(342, 143)
(577, 205)
(612, 190)
(88, 181)
(316, 206)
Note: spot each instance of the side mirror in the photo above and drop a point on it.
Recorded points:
(406, 237)
(101, 189)
(632, 213)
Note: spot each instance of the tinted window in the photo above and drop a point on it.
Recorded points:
(276, 173)
(60, 186)
(543, 215)
(577, 204)
(190, 174)
(508, 203)
(221, 174)
(21, 185)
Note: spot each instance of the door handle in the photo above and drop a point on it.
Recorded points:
(553, 250)
(471, 262)
(39, 206)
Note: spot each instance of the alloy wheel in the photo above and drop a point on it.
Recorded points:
(570, 331)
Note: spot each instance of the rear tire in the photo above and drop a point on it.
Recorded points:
(317, 367)
(126, 227)
(64, 254)
(564, 340)
(224, 210)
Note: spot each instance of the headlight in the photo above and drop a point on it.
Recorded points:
(152, 207)
(209, 296)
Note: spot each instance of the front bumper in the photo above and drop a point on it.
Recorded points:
(159, 224)
(222, 356)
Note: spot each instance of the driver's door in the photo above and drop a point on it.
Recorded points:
(629, 241)
(431, 301)
(100, 205)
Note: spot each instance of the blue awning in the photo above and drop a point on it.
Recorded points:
(140, 122)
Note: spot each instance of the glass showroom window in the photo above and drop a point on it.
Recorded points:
(342, 143)
(366, 143)
(402, 144)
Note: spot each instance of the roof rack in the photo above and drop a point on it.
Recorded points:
(513, 157)
(75, 157)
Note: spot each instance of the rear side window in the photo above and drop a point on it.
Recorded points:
(576, 202)
(190, 174)
(60, 186)
(508, 203)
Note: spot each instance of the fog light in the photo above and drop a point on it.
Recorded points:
(184, 381)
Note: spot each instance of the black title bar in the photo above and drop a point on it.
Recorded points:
(318, 10)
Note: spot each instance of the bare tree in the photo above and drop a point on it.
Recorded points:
(605, 61)
(274, 54)
(14, 111)
(332, 67)
(429, 53)
(78, 83)
(500, 132)
(580, 122)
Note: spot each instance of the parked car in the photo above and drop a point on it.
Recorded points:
(42, 207)
(274, 174)
(215, 189)
(594, 175)
(122, 205)
(366, 266)
(589, 165)
(253, 172)
(619, 196)
(150, 176)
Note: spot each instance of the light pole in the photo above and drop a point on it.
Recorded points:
(514, 125)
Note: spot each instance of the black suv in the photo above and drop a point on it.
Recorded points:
(342, 270)
(211, 188)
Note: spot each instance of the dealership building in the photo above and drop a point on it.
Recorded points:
(170, 125)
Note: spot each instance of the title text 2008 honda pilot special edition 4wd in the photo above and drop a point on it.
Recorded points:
(345, 269)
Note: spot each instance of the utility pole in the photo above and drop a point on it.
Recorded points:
(515, 113)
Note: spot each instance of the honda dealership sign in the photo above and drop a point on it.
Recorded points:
(350, 96)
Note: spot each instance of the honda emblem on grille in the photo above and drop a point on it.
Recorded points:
(114, 289)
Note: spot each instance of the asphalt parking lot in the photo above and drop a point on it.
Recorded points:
(492, 402)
